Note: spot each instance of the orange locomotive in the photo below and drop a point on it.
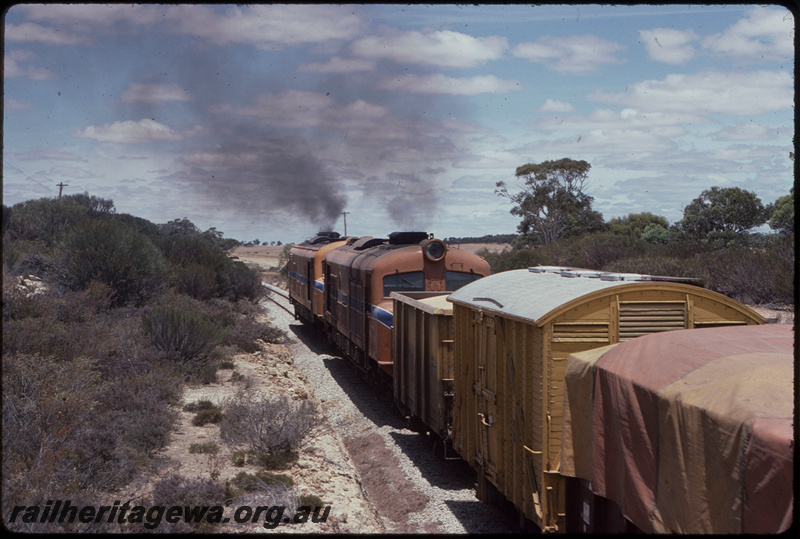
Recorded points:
(358, 277)
(305, 274)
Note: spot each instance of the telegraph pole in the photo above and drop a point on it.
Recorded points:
(61, 187)
(345, 222)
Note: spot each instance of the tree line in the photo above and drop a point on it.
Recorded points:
(715, 240)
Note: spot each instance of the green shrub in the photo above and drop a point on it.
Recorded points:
(749, 275)
(652, 264)
(239, 458)
(311, 500)
(184, 332)
(200, 405)
(202, 269)
(278, 459)
(112, 253)
(208, 374)
(203, 417)
(592, 251)
(47, 220)
(515, 259)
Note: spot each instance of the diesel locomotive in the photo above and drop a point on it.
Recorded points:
(345, 284)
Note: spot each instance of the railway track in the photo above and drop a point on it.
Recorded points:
(409, 487)
(285, 303)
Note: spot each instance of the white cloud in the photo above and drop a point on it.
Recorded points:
(72, 172)
(154, 93)
(556, 106)
(608, 119)
(337, 65)
(442, 48)
(746, 131)
(765, 33)
(12, 67)
(441, 84)
(265, 26)
(574, 54)
(738, 93)
(669, 45)
(47, 154)
(131, 132)
(36, 33)
(105, 15)
(15, 105)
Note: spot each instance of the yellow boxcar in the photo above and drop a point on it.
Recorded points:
(513, 333)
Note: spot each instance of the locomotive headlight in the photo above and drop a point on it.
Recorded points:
(434, 250)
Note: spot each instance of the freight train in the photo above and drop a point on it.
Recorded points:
(345, 286)
(483, 359)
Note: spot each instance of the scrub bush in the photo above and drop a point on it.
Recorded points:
(112, 253)
(267, 426)
(185, 333)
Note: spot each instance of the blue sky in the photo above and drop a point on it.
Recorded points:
(270, 121)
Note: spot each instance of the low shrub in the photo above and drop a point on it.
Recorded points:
(516, 259)
(208, 415)
(263, 488)
(239, 458)
(206, 448)
(175, 490)
(267, 426)
(186, 333)
(262, 480)
(279, 459)
(200, 405)
(208, 374)
(311, 500)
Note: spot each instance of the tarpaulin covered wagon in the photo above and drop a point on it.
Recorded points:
(687, 431)
(513, 333)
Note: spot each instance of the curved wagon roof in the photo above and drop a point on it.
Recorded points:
(538, 294)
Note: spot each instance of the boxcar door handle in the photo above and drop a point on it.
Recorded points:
(484, 421)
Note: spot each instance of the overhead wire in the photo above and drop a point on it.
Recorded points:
(26, 176)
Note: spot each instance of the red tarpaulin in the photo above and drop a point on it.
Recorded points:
(688, 431)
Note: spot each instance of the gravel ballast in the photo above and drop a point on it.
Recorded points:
(411, 488)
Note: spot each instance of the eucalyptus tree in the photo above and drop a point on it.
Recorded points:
(550, 198)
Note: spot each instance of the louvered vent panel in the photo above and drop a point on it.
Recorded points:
(637, 318)
(588, 332)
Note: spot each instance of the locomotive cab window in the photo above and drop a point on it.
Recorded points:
(453, 280)
(413, 281)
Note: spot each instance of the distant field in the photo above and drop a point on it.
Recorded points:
(475, 247)
(266, 256)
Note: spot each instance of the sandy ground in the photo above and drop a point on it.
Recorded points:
(266, 256)
(324, 467)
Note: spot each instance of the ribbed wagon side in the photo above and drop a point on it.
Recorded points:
(514, 331)
(423, 358)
